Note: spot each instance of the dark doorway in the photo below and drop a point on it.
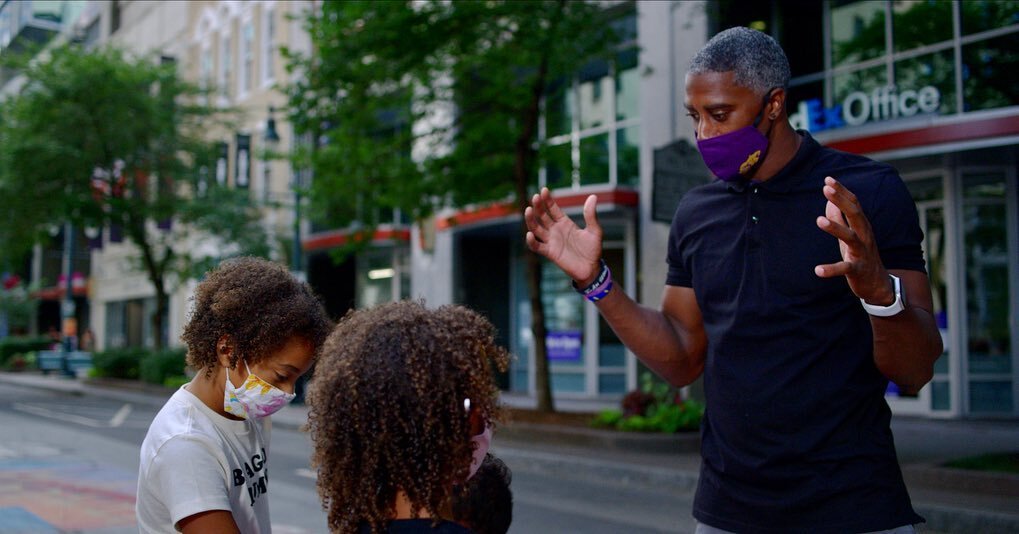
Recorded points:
(484, 284)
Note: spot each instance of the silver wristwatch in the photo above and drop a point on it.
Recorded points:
(891, 309)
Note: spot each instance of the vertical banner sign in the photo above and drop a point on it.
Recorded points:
(242, 178)
(222, 154)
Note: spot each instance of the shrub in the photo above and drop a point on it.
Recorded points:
(156, 367)
(118, 363)
(10, 346)
(175, 382)
(655, 407)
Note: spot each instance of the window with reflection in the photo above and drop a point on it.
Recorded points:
(860, 81)
(990, 73)
(936, 70)
(593, 93)
(982, 15)
(857, 31)
(594, 115)
(916, 23)
(985, 245)
(594, 159)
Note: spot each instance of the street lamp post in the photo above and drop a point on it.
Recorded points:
(272, 140)
(272, 137)
(67, 307)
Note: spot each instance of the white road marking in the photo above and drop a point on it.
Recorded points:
(306, 473)
(114, 422)
(119, 417)
(59, 416)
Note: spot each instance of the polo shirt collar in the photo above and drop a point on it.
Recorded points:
(787, 177)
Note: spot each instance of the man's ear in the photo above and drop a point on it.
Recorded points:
(225, 351)
(776, 103)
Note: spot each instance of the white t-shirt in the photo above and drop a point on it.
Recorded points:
(194, 460)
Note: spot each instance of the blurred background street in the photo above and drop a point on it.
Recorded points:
(70, 464)
(143, 142)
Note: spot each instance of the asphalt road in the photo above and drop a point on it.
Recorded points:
(91, 444)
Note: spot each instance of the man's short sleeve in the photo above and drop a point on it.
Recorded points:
(679, 270)
(189, 477)
(896, 226)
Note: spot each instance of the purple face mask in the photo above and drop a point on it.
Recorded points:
(731, 156)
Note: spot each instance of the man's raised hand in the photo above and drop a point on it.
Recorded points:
(552, 234)
(861, 264)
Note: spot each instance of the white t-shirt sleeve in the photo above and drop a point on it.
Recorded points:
(190, 476)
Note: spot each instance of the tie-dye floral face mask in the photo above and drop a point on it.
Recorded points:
(254, 398)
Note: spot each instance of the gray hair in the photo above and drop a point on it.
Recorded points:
(755, 59)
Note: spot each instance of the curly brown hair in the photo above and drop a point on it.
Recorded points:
(387, 408)
(259, 305)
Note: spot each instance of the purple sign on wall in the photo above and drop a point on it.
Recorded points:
(564, 346)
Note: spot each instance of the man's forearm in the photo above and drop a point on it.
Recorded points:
(661, 343)
(906, 346)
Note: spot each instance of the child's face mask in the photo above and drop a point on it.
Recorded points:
(481, 441)
(254, 398)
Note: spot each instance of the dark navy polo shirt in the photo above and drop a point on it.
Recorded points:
(796, 434)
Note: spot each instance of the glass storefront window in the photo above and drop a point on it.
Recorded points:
(928, 193)
(595, 115)
(564, 318)
(941, 396)
(863, 81)
(936, 70)
(628, 156)
(559, 110)
(990, 396)
(375, 273)
(593, 95)
(857, 31)
(805, 102)
(627, 85)
(985, 244)
(612, 383)
(558, 166)
(594, 159)
(982, 15)
(917, 23)
(990, 72)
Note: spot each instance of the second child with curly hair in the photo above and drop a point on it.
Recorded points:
(254, 331)
(401, 398)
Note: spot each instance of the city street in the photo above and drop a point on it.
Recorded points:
(70, 463)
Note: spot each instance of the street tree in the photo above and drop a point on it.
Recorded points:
(419, 106)
(103, 139)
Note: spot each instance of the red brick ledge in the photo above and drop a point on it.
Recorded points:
(619, 197)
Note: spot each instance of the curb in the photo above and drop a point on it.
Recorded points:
(602, 439)
(599, 471)
(951, 519)
(962, 480)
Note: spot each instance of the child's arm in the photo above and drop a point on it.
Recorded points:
(220, 521)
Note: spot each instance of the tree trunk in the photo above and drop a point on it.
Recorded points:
(159, 316)
(522, 172)
(156, 271)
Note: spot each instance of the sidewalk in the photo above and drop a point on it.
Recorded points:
(952, 500)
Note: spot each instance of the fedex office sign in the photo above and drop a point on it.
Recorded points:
(881, 104)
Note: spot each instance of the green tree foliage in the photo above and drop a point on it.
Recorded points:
(103, 139)
(424, 105)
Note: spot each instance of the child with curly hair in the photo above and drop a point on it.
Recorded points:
(254, 330)
(401, 408)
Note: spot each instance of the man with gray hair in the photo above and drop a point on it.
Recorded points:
(796, 286)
